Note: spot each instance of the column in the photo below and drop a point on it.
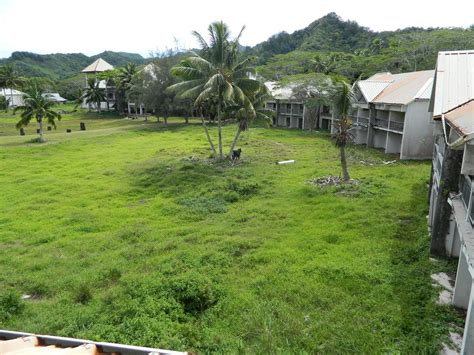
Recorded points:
(462, 287)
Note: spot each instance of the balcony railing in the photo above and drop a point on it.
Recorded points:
(396, 126)
(380, 122)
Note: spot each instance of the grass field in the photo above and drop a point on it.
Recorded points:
(127, 233)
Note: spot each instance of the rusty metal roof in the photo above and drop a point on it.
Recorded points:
(98, 66)
(454, 81)
(462, 118)
(17, 343)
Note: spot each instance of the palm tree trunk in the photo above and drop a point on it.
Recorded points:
(234, 142)
(40, 134)
(345, 172)
(11, 96)
(208, 137)
(219, 130)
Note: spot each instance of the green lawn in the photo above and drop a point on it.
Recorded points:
(126, 233)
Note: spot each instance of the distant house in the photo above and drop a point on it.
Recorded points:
(391, 113)
(291, 112)
(93, 70)
(451, 213)
(13, 97)
(54, 97)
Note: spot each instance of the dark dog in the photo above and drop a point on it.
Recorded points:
(236, 154)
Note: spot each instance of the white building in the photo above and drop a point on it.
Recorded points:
(93, 70)
(291, 112)
(451, 216)
(13, 97)
(391, 113)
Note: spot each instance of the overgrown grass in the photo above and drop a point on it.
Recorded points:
(133, 236)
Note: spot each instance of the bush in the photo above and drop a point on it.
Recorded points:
(10, 304)
(82, 294)
(194, 292)
(244, 189)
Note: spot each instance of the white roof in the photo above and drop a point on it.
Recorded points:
(280, 92)
(454, 81)
(399, 89)
(372, 88)
(54, 96)
(99, 65)
(462, 119)
(8, 92)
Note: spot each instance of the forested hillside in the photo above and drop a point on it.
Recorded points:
(59, 66)
(333, 46)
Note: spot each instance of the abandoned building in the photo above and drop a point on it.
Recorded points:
(391, 113)
(451, 213)
(291, 112)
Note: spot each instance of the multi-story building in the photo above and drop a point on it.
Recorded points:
(94, 69)
(291, 112)
(391, 113)
(451, 216)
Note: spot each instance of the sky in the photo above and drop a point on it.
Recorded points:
(140, 26)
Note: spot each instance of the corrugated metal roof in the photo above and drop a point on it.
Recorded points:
(462, 119)
(99, 65)
(372, 88)
(454, 81)
(404, 87)
(425, 91)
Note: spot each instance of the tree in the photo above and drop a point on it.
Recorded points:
(38, 107)
(93, 93)
(124, 82)
(217, 77)
(244, 117)
(9, 79)
(109, 77)
(313, 91)
(342, 98)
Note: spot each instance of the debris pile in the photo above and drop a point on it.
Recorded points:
(330, 180)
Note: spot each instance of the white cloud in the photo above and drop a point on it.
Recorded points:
(91, 26)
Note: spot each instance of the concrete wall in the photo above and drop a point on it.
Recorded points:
(360, 135)
(394, 143)
(380, 139)
(418, 137)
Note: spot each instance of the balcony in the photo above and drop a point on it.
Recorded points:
(381, 122)
(396, 126)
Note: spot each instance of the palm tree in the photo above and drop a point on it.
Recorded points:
(93, 93)
(125, 77)
(9, 79)
(110, 77)
(217, 75)
(342, 98)
(245, 117)
(38, 107)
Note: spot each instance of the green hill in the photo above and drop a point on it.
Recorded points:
(58, 66)
(334, 46)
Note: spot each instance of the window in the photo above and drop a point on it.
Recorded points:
(288, 121)
(288, 107)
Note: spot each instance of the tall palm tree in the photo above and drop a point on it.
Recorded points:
(216, 74)
(342, 99)
(38, 107)
(93, 93)
(125, 78)
(245, 117)
(9, 78)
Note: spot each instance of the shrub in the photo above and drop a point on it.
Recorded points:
(10, 304)
(82, 294)
(195, 292)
